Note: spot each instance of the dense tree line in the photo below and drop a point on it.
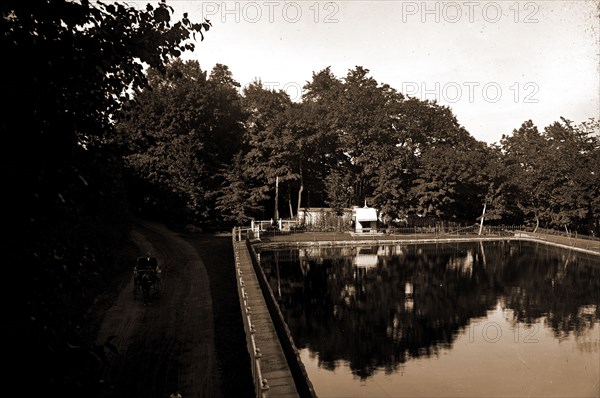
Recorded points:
(201, 150)
(68, 68)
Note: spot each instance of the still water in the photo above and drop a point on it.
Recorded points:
(502, 319)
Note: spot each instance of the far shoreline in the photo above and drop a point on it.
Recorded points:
(324, 239)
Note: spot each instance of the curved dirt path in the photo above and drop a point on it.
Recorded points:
(168, 345)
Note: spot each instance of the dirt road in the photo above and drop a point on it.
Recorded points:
(175, 342)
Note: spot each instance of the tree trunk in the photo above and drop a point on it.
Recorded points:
(537, 224)
(482, 216)
(300, 195)
(276, 212)
(290, 202)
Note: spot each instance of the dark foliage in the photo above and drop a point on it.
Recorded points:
(67, 68)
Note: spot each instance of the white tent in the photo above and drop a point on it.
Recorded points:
(365, 214)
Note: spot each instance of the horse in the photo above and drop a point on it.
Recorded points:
(148, 283)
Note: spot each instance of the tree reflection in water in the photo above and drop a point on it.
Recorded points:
(376, 307)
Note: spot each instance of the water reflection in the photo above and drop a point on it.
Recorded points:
(375, 308)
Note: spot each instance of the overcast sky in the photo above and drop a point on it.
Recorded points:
(495, 63)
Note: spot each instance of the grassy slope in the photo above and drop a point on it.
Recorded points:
(230, 342)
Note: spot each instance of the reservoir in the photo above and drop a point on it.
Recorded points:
(481, 319)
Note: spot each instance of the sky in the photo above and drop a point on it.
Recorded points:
(495, 63)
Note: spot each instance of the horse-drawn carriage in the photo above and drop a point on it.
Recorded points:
(146, 278)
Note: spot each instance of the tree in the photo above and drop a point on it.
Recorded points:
(88, 58)
(319, 119)
(502, 191)
(380, 137)
(425, 167)
(571, 163)
(239, 200)
(553, 188)
(357, 114)
(268, 141)
(179, 135)
(451, 182)
(427, 124)
(68, 67)
(338, 192)
(523, 154)
(366, 112)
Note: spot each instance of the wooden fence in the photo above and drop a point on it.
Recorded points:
(260, 384)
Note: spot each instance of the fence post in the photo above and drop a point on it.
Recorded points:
(264, 388)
